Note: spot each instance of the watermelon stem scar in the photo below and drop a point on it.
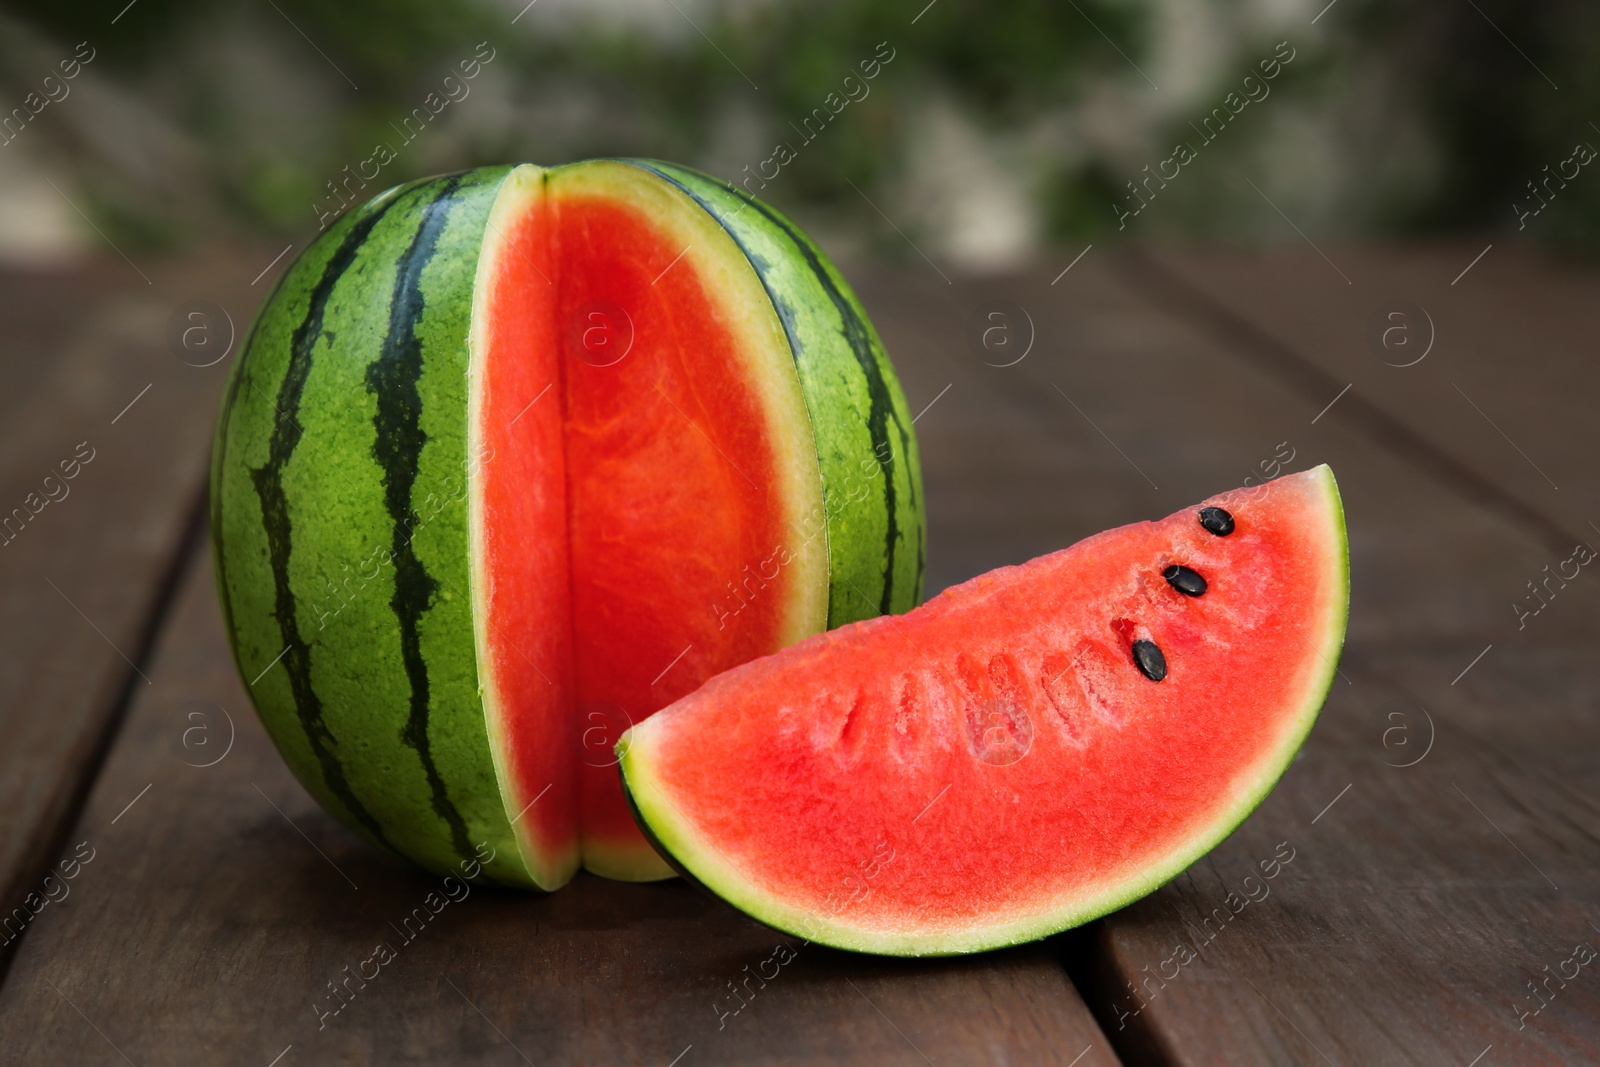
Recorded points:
(1087, 725)
(494, 444)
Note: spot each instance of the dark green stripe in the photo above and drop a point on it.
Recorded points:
(880, 406)
(219, 456)
(268, 481)
(393, 378)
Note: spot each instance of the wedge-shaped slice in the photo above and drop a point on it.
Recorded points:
(1027, 751)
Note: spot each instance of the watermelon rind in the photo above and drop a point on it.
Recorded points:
(691, 852)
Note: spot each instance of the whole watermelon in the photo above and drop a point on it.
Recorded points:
(515, 457)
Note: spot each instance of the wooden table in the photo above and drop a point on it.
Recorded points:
(1444, 819)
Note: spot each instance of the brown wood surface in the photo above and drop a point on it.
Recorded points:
(86, 372)
(1407, 926)
(1417, 907)
(1404, 930)
(1502, 383)
(217, 910)
(1125, 410)
(1425, 899)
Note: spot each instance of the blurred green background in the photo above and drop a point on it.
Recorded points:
(993, 131)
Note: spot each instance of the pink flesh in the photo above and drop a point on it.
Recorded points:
(663, 517)
(999, 743)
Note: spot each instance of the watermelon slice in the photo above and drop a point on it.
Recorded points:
(1025, 752)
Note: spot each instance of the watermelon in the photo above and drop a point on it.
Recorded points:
(514, 458)
(1023, 753)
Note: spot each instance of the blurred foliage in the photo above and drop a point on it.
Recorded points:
(1395, 117)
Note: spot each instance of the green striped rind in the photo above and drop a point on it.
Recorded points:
(704, 864)
(339, 524)
(871, 474)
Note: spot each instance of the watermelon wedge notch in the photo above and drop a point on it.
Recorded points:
(621, 512)
(514, 458)
(1027, 751)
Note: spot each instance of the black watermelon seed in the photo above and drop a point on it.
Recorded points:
(1217, 521)
(1184, 580)
(1148, 658)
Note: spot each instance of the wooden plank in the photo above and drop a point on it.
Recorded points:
(90, 389)
(1422, 899)
(1485, 377)
(218, 909)
(1123, 412)
(1417, 908)
(1387, 938)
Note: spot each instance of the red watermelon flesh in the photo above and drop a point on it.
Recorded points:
(995, 765)
(642, 457)
(663, 516)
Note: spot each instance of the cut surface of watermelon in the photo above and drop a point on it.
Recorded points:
(1025, 752)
